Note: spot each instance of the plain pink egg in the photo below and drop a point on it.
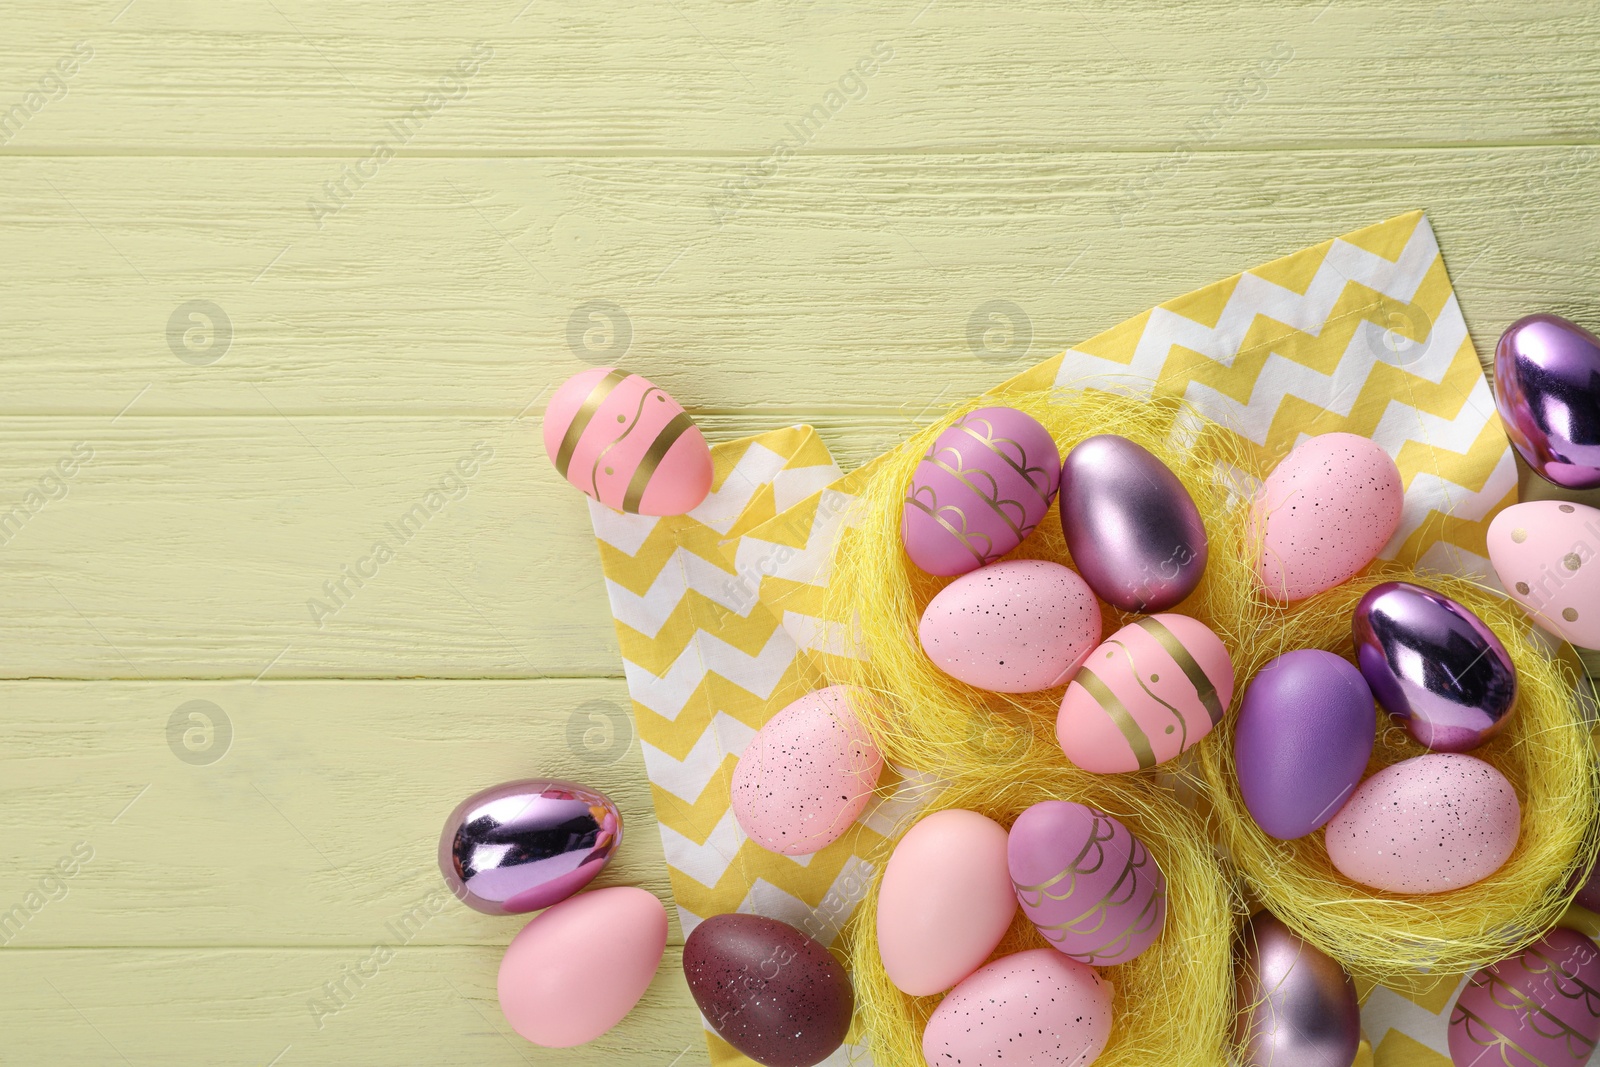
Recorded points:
(1428, 824)
(945, 902)
(806, 774)
(574, 971)
(1030, 1009)
(1324, 513)
(1018, 626)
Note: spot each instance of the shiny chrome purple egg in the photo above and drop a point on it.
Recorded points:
(1132, 528)
(1296, 1004)
(522, 846)
(1547, 387)
(1434, 665)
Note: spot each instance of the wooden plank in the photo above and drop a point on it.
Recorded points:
(240, 1007)
(701, 75)
(236, 548)
(287, 814)
(845, 284)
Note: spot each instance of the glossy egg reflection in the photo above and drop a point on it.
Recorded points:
(1434, 665)
(526, 845)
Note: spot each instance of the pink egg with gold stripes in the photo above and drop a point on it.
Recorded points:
(1151, 690)
(626, 443)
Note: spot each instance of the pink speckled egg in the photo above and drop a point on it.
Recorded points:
(1151, 690)
(1540, 1008)
(626, 443)
(1014, 627)
(1324, 513)
(1426, 825)
(983, 486)
(806, 774)
(1088, 884)
(945, 901)
(1029, 1009)
(574, 971)
(1547, 554)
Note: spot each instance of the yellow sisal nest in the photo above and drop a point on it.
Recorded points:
(1000, 754)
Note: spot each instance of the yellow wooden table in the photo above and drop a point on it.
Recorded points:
(272, 268)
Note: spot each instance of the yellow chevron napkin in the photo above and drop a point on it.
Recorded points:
(719, 613)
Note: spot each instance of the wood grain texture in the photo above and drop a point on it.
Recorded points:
(845, 283)
(699, 75)
(1080, 164)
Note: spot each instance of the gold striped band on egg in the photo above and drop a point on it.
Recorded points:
(1112, 706)
(580, 421)
(652, 459)
(1192, 669)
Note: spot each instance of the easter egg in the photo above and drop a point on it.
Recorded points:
(1324, 513)
(767, 989)
(1539, 1008)
(1426, 825)
(1434, 665)
(626, 443)
(1132, 528)
(1018, 626)
(1088, 884)
(1302, 740)
(1547, 389)
(1547, 555)
(806, 774)
(574, 971)
(981, 488)
(1149, 691)
(1297, 1006)
(526, 845)
(1029, 1009)
(945, 901)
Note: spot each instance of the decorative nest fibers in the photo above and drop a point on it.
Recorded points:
(999, 754)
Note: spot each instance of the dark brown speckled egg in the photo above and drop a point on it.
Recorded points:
(768, 990)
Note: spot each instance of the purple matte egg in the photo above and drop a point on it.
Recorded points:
(1539, 1008)
(1089, 885)
(1434, 665)
(982, 487)
(1305, 732)
(526, 845)
(768, 990)
(1547, 387)
(1132, 528)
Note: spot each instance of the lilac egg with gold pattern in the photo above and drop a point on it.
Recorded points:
(1132, 528)
(981, 488)
(526, 845)
(1434, 665)
(1539, 1008)
(1547, 387)
(1089, 885)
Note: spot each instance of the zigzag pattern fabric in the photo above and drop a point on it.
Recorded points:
(719, 613)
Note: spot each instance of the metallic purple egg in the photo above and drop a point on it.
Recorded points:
(526, 845)
(1132, 528)
(1547, 387)
(1434, 665)
(1296, 1005)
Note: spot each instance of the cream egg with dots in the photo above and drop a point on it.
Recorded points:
(1547, 555)
(1428, 824)
(1033, 1007)
(1324, 514)
(1014, 627)
(807, 774)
